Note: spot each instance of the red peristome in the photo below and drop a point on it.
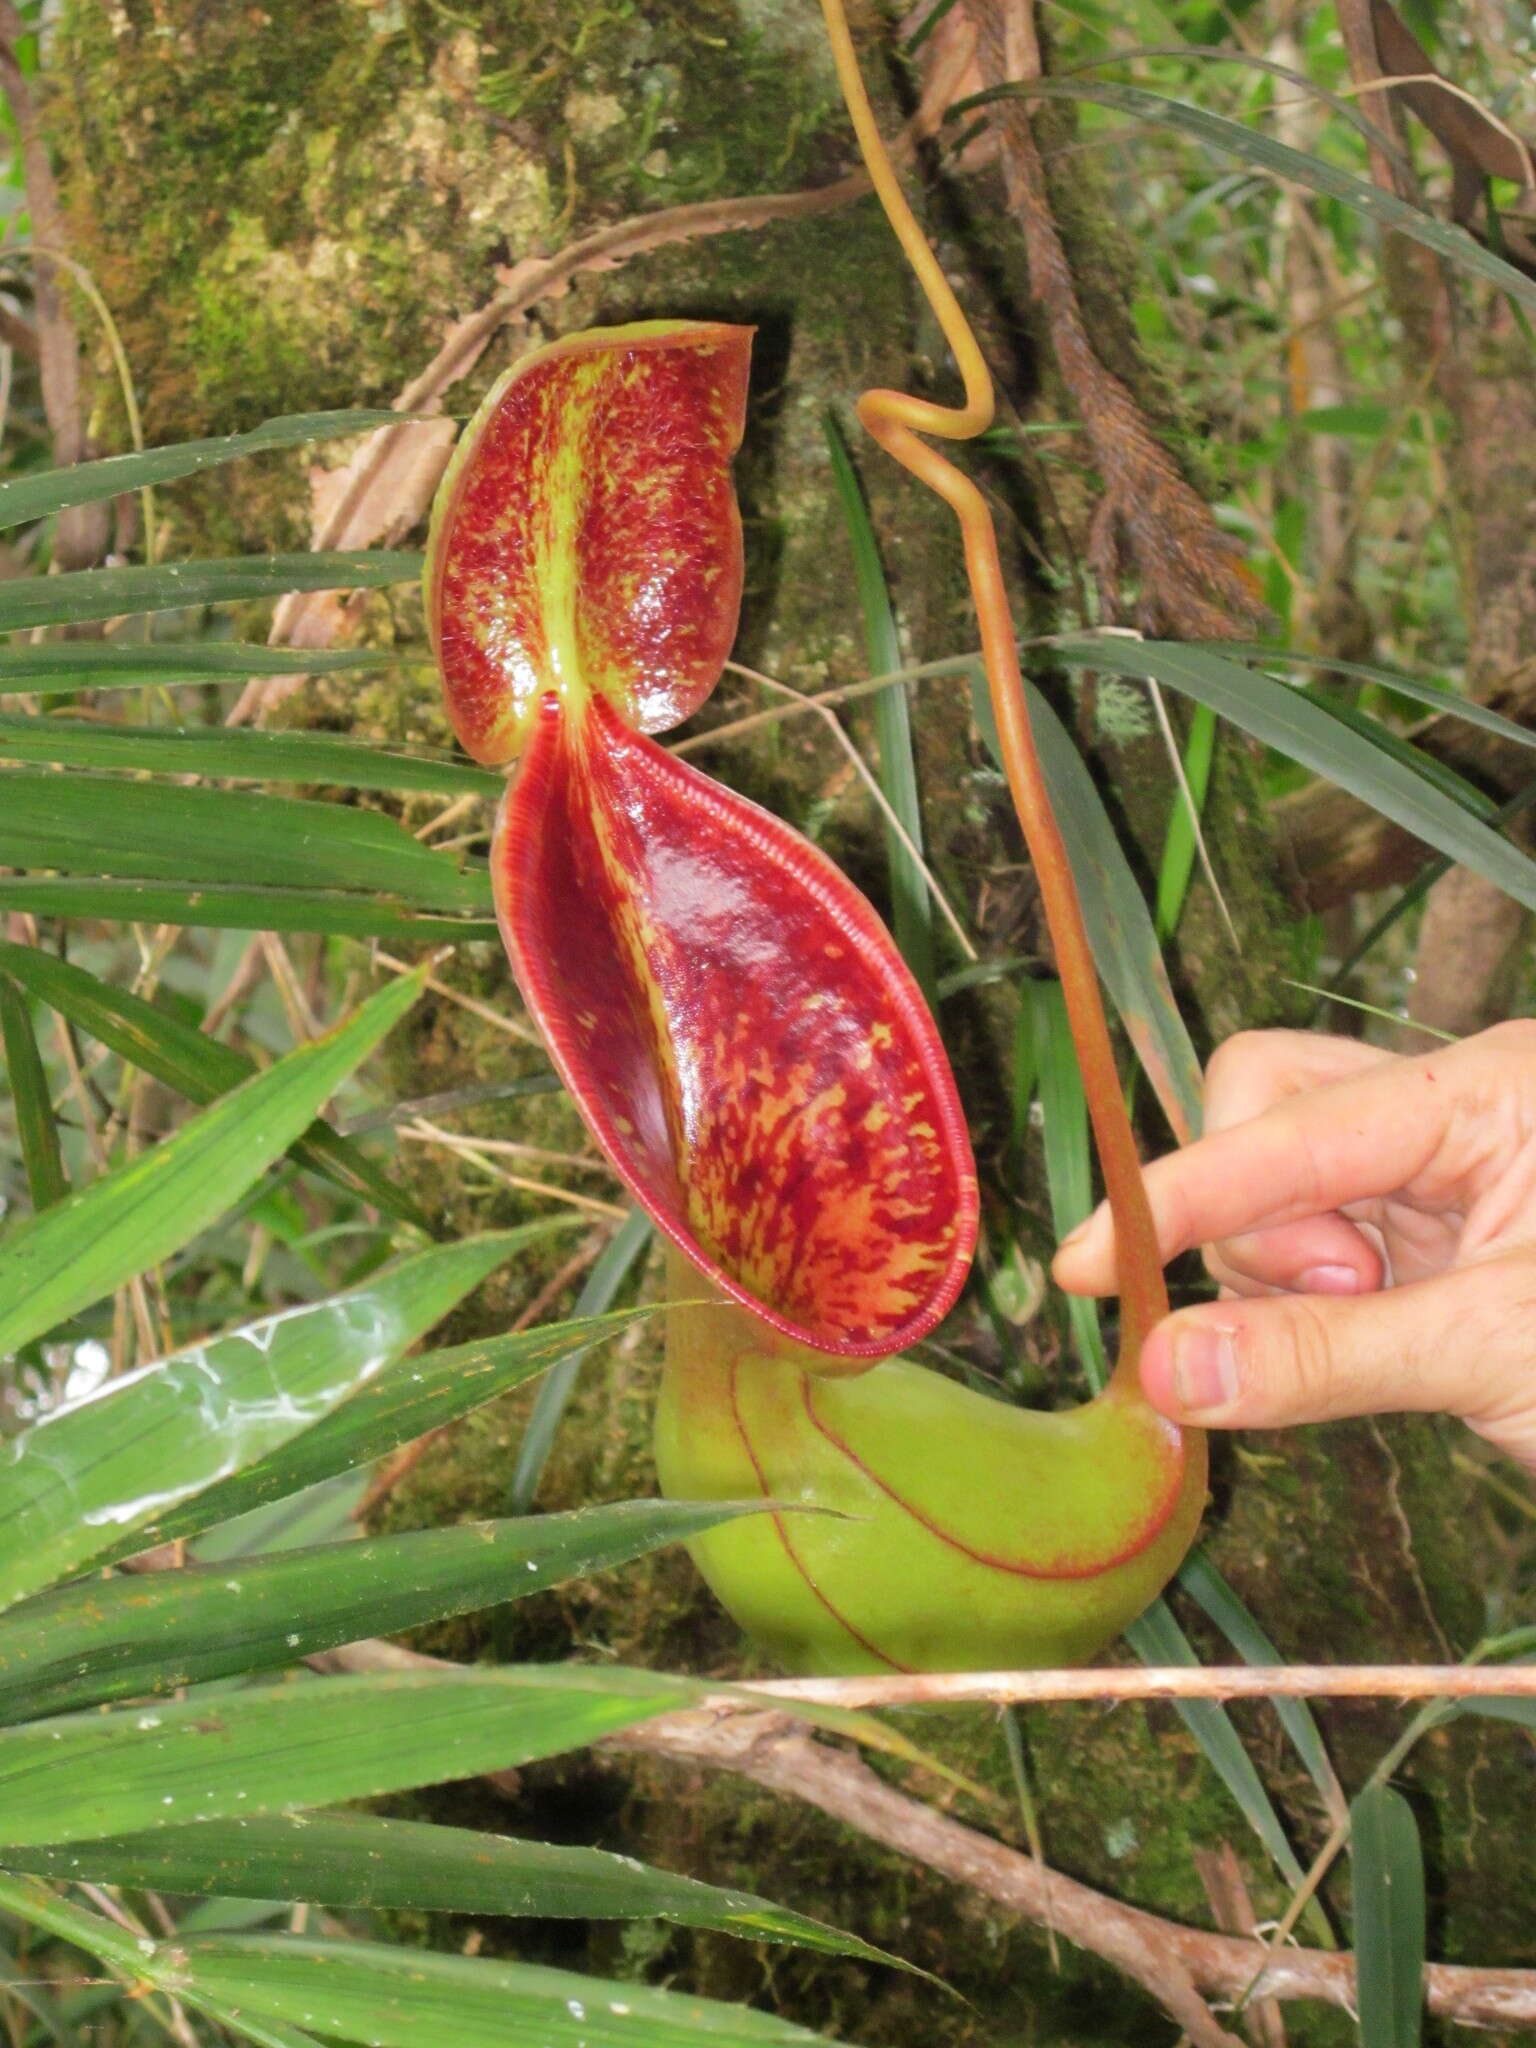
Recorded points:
(586, 536)
(741, 1035)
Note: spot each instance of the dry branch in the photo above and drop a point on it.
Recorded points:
(1179, 1966)
(1163, 1682)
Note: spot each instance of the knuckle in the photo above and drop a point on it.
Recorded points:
(1309, 1365)
(1236, 1055)
(1515, 1038)
(1494, 1336)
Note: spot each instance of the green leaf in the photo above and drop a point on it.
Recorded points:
(1052, 1061)
(57, 668)
(1120, 928)
(29, 601)
(50, 490)
(156, 1632)
(401, 1402)
(313, 1742)
(31, 1099)
(1439, 697)
(155, 831)
(1177, 863)
(359, 1860)
(1279, 160)
(195, 1065)
(1439, 773)
(1210, 1591)
(236, 753)
(599, 1292)
(92, 1480)
(231, 907)
(1157, 1639)
(1516, 1707)
(132, 1957)
(246, 2027)
(1297, 726)
(911, 904)
(411, 1998)
(1388, 1866)
(55, 1264)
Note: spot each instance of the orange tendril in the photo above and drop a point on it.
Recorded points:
(896, 420)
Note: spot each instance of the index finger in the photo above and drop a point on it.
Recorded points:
(1346, 1141)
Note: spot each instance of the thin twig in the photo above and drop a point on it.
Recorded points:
(1165, 727)
(470, 1150)
(495, 1018)
(1172, 1962)
(882, 802)
(1168, 1682)
(844, 693)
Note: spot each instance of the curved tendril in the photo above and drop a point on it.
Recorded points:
(895, 419)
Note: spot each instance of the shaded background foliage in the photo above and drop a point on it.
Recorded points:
(287, 209)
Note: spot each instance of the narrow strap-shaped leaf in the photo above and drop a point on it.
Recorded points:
(1297, 726)
(31, 1099)
(50, 490)
(155, 1633)
(188, 1060)
(361, 1860)
(1157, 1639)
(405, 1399)
(1440, 773)
(1520, 1710)
(396, 1997)
(1209, 1589)
(276, 1748)
(1264, 153)
(86, 824)
(81, 1249)
(1120, 928)
(246, 2026)
(911, 905)
(1388, 1873)
(1068, 1162)
(168, 586)
(1437, 697)
(410, 1998)
(133, 1958)
(1179, 841)
(228, 906)
(598, 1293)
(54, 668)
(92, 1480)
(239, 754)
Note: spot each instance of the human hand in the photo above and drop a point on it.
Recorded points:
(1372, 1222)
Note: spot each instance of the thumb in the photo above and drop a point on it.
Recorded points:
(1463, 1343)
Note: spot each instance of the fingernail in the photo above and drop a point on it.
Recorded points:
(1204, 1367)
(1329, 1280)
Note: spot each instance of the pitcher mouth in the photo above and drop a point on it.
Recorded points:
(739, 1033)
